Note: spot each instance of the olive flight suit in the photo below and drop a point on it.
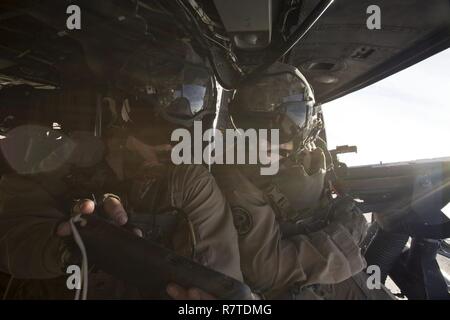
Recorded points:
(323, 264)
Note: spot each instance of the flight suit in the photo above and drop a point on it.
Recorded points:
(272, 263)
(30, 212)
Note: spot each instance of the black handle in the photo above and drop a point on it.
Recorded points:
(149, 266)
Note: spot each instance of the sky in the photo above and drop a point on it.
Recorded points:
(403, 117)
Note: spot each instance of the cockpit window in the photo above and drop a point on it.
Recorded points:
(403, 117)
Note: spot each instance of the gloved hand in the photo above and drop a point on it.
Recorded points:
(112, 209)
(345, 212)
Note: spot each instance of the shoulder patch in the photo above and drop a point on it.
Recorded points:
(243, 221)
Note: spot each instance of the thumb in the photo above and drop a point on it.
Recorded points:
(85, 206)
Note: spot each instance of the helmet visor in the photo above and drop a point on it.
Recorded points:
(187, 95)
(194, 94)
(296, 109)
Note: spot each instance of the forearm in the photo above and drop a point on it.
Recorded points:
(328, 256)
(195, 192)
